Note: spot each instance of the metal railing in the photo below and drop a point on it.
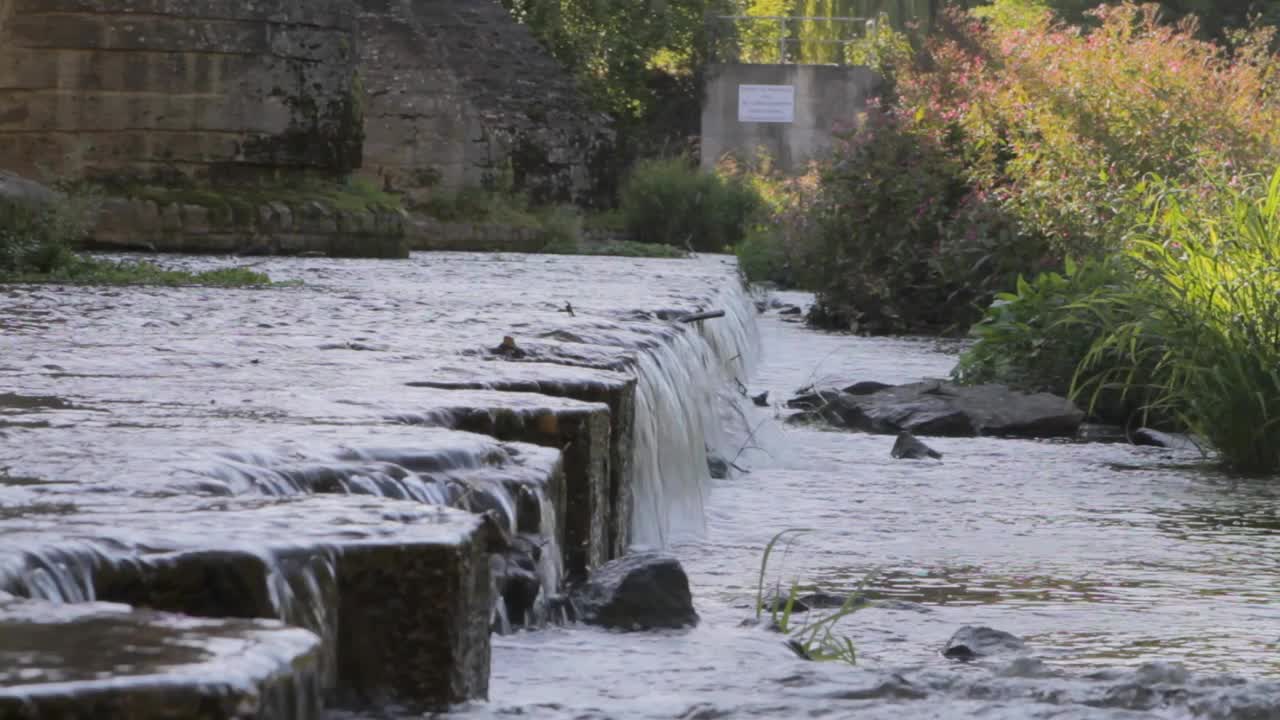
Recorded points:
(796, 39)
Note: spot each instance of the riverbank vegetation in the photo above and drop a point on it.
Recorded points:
(37, 240)
(1095, 199)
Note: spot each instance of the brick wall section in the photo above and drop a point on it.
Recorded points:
(202, 87)
(460, 94)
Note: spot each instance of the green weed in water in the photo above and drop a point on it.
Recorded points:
(815, 638)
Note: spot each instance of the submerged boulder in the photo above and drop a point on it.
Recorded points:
(1156, 438)
(516, 580)
(974, 641)
(637, 592)
(943, 409)
(909, 447)
(717, 466)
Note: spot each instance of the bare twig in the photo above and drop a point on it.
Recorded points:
(702, 316)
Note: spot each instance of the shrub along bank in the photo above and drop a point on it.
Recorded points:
(1115, 180)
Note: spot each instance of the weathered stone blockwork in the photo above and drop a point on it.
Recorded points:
(270, 228)
(459, 94)
(207, 88)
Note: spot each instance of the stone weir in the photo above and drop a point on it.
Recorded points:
(361, 457)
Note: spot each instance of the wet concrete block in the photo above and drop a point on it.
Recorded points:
(92, 661)
(583, 436)
(398, 592)
(414, 628)
(616, 390)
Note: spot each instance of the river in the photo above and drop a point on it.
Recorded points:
(1099, 556)
(1143, 580)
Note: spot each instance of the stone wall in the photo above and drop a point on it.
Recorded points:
(459, 94)
(261, 228)
(206, 88)
(423, 96)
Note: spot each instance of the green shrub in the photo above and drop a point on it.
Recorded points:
(560, 225)
(763, 257)
(474, 204)
(37, 238)
(1204, 312)
(896, 239)
(669, 202)
(1034, 338)
(1062, 124)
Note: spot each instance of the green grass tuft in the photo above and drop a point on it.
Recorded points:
(815, 638)
(80, 270)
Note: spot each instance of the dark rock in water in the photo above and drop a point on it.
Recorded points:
(813, 601)
(1155, 438)
(717, 466)
(945, 409)
(637, 592)
(866, 387)
(761, 400)
(790, 310)
(908, 447)
(508, 348)
(515, 574)
(974, 641)
(761, 306)
(903, 605)
(809, 399)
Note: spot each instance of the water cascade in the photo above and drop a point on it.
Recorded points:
(682, 386)
(315, 508)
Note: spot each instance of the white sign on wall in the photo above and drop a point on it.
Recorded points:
(767, 103)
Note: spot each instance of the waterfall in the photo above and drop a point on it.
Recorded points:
(681, 387)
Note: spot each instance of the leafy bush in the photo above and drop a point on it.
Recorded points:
(762, 256)
(897, 239)
(1034, 338)
(37, 237)
(772, 247)
(1204, 312)
(1013, 142)
(1061, 124)
(667, 201)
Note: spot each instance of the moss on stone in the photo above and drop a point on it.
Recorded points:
(237, 204)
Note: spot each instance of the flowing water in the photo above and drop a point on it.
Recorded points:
(122, 411)
(1115, 563)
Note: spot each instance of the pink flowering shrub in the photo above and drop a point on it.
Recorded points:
(1064, 124)
(1013, 141)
